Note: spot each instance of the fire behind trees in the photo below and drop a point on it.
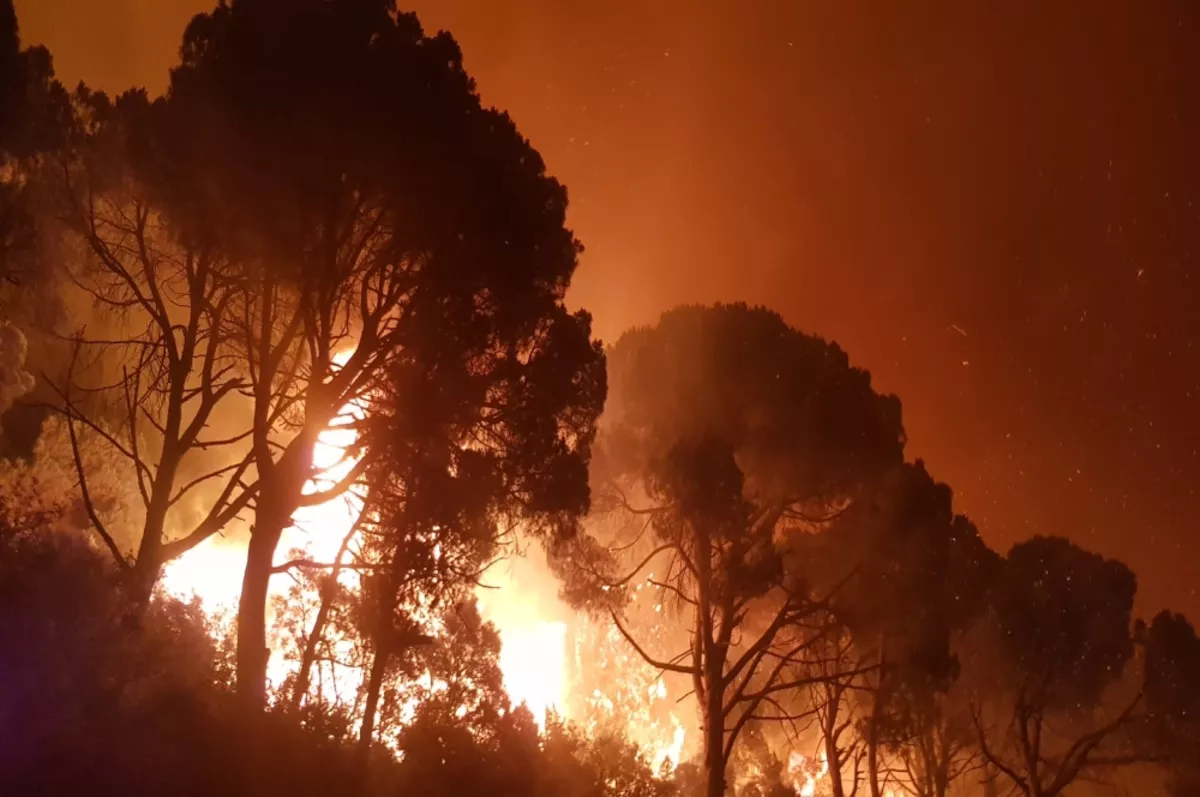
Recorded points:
(337, 191)
(319, 223)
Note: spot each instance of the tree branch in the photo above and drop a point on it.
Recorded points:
(662, 665)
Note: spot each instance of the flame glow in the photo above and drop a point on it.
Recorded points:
(533, 653)
(804, 775)
(212, 571)
(551, 659)
(533, 635)
(532, 662)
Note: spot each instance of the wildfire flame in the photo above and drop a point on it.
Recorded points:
(533, 657)
(532, 662)
(804, 776)
(533, 653)
(519, 598)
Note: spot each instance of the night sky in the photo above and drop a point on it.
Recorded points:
(992, 206)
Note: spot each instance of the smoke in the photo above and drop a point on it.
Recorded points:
(43, 490)
(15, 381)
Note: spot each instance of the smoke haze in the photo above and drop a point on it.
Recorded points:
(990, 207)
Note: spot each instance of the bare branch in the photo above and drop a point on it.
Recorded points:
(89, 506)
(666, 666)
(338, 489)
(310, 564)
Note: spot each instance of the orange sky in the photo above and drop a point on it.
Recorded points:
(991, 209)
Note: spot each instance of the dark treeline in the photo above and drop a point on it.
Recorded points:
(319, 224)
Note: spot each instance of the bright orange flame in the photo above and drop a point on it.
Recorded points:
(213, 570)
(533, 653)
(804, 777)
(532, 662)
(521, 600)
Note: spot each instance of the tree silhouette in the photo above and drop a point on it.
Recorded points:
(1172, 732)
(93, 704)
(64, 716)
(34, 120)
(13, 221)
(755, 770)
(343, 159)
(732, 428)
(321, 224)
(921, 575)
(334, 615)
(464, 740)
(1063, 635)
(938, 744)
(469, 445)
(834, 706)
(158, 379)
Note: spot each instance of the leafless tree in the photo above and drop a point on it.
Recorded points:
(758, 636)
(153, 381)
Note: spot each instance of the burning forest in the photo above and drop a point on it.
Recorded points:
(316, 481)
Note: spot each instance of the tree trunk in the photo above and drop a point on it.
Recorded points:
(147, 567)
(989, 780)
(309, 654)
(829, 732)
(873, 722)
(711, 670)
(940, 780)
(371, 707)
(279, 496)
(941, 767)
(328, 595)
(833, 759)
(252, 651)
(714, 741)
(141, 582)
(873, 756)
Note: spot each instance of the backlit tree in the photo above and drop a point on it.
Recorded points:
(726, 428)
(371, 203)
(154, 374)
(1061, 641)
(920, 576)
